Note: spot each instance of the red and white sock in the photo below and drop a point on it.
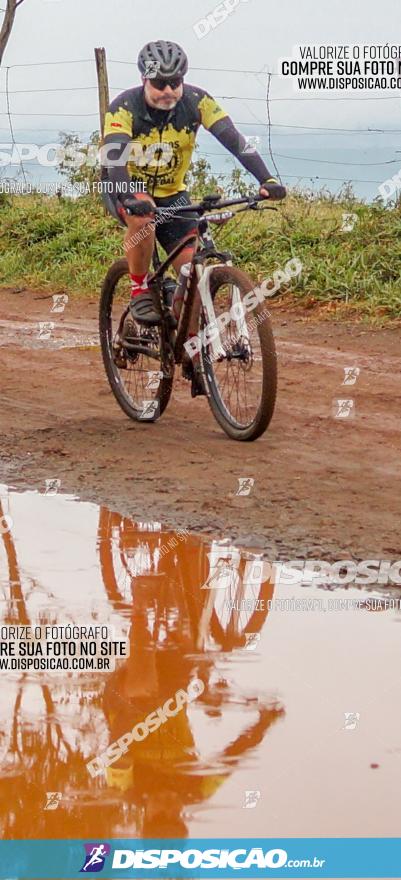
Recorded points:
(139, 284)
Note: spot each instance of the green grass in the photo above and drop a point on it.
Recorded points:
(50, 243)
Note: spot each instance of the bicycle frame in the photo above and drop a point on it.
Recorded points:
(198, 278)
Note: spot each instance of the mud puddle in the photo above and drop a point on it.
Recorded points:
(47, 335)
(295, 729)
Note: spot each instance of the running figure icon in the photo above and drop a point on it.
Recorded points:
(95, 856)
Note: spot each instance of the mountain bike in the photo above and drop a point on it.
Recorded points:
(234, 352)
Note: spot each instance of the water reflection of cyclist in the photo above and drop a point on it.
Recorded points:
(163, 773)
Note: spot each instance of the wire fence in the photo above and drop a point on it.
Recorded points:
(267, 127)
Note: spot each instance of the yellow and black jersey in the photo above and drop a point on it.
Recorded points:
(155, 146)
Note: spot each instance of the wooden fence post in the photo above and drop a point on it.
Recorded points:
(103, 90)
(103, 87)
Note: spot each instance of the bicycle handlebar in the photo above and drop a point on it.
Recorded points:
(212, 203)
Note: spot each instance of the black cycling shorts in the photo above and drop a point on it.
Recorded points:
(168, 231)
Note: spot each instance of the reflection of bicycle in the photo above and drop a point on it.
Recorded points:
(128, 552)
(236, 362)
(172, 621)
(241, 610)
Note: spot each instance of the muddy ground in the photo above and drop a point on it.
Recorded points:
(324, 486)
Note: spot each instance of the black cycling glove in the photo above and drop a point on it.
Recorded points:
(275, 189)
(137, 207)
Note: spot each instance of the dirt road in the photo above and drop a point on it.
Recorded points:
(325, 487)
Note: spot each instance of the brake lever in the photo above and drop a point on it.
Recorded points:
(256, 206)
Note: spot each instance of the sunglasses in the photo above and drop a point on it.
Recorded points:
(160, 84)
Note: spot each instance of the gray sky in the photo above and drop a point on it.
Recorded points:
(255, 35)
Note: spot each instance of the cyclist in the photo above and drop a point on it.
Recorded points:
(149, 137)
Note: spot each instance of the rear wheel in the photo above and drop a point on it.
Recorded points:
(137, 359)
(240, 368)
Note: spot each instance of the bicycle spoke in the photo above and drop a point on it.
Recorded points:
(238, 374)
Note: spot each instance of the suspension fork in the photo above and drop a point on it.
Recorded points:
(212, 324)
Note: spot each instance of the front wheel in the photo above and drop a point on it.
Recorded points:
(138, 360)
(239, 367)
